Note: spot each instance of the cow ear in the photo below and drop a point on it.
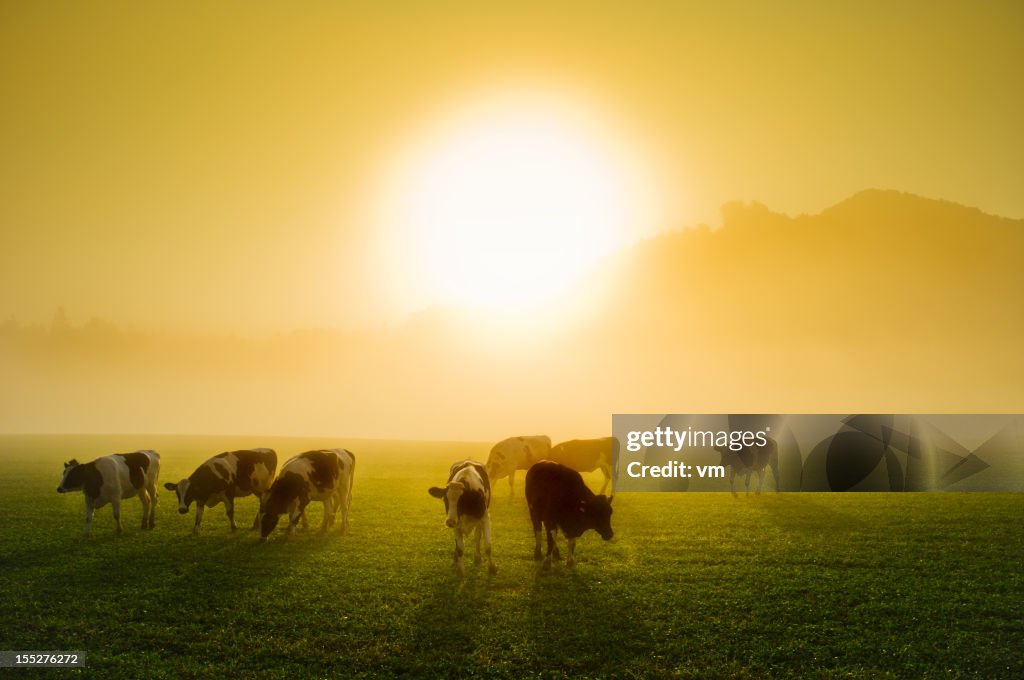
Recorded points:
(71, 463)
(171, 487)
(436, 492)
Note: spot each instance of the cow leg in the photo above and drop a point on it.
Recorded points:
(551, 546)
(478, 535)
(199, 517)
(459, 545)
(152, 506)
(491, 569)
(297, 512)
(607, 477)
(259, 514)
(732, 480)
(229, 508)
(144, 497)
(88, 516)
(571, 559)
(775, 473)
(348, 507)
(344, 498)
(116, 505)
(536, 534)
(760, 481)
(328, 514)
(746, 483)
(512, 483)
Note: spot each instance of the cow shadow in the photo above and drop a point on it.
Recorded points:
(457, 606)
(575, 620)
(159, 581)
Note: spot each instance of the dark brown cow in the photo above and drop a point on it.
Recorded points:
(560, 501)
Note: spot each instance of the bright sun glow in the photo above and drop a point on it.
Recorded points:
(508, 204)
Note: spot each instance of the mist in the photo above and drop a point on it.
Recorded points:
(886, 302)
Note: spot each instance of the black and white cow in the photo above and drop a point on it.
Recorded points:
(323, 475)
(751, 459)
(111, 479)
(559, 500)
(467, 500)
(223, 478)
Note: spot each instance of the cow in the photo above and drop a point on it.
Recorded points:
(222, 479)
(560, 501)
(111, 479)
(516, 453)
(323, 475)
(467, 499)
(751, 459)
(587, 455)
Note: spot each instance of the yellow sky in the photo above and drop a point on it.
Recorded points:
(208, 165)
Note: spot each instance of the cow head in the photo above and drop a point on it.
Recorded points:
(460, 500)
(268, 522)
(184, 498)
(70, 480)
(497, 466)
(598, 514)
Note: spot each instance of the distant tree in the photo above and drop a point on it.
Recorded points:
(59, 325)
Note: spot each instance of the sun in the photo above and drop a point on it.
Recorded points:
(510, 202)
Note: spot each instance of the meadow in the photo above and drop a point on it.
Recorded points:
(693, 585)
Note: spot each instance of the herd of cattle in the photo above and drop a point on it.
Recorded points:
(324, 475)
(558, 499)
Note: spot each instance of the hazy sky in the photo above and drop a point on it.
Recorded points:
(215, 165)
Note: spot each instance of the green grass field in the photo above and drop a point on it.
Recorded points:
(694, 585)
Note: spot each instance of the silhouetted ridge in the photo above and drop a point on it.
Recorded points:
(887, 204)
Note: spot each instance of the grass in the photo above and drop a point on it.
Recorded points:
(694, 585)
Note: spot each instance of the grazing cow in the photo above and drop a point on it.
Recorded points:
(110, 479)
(323, 475)
(587, 455)
(751, 459)
(559, 500)
(516, 453)
(467, 498)
(222, 479)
